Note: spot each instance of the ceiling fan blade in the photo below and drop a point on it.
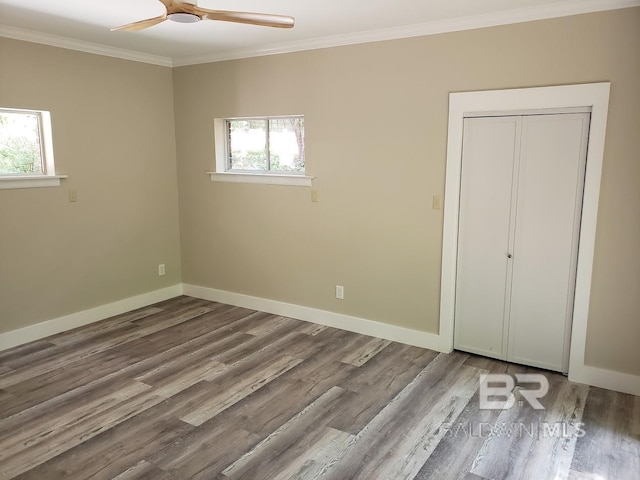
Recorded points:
(264, 19)
(142, 24)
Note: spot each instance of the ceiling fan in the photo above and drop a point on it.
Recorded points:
(188, 11)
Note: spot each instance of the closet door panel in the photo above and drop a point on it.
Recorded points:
(549, 199)
(486, 190)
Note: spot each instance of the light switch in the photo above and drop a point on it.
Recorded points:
(437, 202)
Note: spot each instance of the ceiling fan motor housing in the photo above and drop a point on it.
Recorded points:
(182, 17)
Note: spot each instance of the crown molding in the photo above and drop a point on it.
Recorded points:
(527, 14)
(81, 45)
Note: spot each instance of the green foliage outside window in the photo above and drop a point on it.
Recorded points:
(20, 151)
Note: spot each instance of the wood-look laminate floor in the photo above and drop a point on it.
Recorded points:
(195, 389)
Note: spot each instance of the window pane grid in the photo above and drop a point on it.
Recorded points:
(21, 148)
(265, 145)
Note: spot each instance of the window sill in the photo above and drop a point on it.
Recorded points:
(265, 178)
(33, 181)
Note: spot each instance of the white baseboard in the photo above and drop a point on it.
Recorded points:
(345, 322)
(609, 379)
(67, 322)
(598, 377)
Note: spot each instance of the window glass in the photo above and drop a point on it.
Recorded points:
(20, 143)
(248, 145)
(287, 144)
(265, 145)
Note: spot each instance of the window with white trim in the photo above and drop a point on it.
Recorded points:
(26, 150)
(261, 150)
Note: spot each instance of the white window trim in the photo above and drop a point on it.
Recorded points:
(265, 178)
(30, 181)
(49, 177)
(222, 175)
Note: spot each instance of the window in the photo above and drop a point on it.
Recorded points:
(261, 150)
(26, 153)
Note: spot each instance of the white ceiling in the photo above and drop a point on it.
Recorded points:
(85, 24)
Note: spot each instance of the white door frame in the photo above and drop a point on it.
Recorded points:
(594, 95)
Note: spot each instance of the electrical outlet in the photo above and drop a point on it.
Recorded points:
(161, 269)
(340, 292)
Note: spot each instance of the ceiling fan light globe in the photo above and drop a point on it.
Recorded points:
(183, 17)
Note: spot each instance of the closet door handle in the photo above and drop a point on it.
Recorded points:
(509, 255)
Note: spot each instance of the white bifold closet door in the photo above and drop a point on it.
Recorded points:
(521, 197)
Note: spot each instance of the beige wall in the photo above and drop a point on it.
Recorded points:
(376, 123)
(113, 132)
